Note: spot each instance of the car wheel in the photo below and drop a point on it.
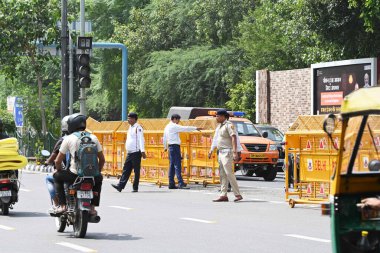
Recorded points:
(245, 172)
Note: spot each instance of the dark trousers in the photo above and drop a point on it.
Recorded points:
(175, 165)
(63, 177)
(133, 161)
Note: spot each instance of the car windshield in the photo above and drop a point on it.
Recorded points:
(246, 129)
(369, 145)
(273, 133)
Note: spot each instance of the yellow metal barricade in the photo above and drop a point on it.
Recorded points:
(105, 132)
(196, 167)
(311, 158)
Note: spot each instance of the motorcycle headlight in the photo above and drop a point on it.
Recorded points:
(272, 147)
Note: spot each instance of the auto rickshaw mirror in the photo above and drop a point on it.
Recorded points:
(265, 134)
(374, 165)
(329, 124)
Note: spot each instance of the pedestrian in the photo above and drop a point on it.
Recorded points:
(172, 142)
(135, 146)
(226, 143)
(76, 127)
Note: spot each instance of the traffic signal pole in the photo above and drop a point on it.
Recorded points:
(82, 98)
(64, 65)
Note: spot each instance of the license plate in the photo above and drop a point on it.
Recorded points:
(257, 155)
(84, 195)
(5, 194)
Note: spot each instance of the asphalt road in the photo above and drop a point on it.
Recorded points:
(161, 220)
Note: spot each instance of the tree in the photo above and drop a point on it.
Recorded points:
(25, 25)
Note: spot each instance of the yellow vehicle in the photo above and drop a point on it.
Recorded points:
(356, 228)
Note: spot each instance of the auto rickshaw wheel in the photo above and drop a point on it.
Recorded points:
(292, 203)
(205, 184)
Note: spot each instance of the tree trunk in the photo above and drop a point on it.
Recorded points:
(42, 106)
(40, 95)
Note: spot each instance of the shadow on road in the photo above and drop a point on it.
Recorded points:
(112, 237)
(257, 179)
(16, 214)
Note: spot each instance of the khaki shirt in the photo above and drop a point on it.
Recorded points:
(225, 132)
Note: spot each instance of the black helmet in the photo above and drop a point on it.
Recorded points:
(76, 122)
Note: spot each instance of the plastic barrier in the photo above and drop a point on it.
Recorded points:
(311, 158)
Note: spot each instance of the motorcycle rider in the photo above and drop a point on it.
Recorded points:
(76, 123)
(49, 178)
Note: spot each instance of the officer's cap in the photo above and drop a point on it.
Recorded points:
(132, 115)
(222, 112)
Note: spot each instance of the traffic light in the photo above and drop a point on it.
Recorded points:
(84, 70)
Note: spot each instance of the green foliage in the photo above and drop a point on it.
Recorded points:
(369, 12)
(8, 121)
(242, 98)
(25, 26)
(190, 77)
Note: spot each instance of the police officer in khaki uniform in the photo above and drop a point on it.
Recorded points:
(226, 143)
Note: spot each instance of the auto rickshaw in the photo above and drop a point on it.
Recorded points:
(356, 228)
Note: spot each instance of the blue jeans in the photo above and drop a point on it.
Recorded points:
(175, 165)
(50, 185)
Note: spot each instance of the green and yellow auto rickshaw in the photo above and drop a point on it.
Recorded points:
(355, 226)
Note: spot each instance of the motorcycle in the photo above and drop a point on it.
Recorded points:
(79, 196)
(9, 185)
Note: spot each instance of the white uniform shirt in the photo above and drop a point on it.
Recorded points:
(135, 139)
(215, 141)
(71, 144)
(171, 133)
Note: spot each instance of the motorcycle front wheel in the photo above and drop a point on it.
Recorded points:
(80, 225)
(60, 222)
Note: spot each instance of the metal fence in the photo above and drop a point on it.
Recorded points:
(31, 144)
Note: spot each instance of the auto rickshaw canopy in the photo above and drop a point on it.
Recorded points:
(362, 101)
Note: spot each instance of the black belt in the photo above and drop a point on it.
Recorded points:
(173, 145)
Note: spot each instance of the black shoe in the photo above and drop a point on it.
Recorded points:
(183, 187)
(116, 187)
(173, 187)
(135, 190)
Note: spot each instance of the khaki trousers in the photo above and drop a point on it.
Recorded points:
(225, 159)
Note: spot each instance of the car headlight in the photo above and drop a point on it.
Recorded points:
(272, 147)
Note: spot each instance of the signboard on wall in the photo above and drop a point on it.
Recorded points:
(332, 81)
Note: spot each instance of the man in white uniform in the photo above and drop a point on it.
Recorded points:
(173, 143)
(135, 146)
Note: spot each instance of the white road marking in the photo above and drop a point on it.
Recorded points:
(122, 207)
(260, 200)
(25, 190)
(198, 220)
(7, 228)
(76, 247)
(307, 238)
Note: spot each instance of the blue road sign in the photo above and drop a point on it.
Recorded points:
(18, 115)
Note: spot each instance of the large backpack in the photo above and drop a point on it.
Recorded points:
(86, 157)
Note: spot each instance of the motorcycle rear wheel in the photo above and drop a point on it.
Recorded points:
(80, 225)
(5, 208)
